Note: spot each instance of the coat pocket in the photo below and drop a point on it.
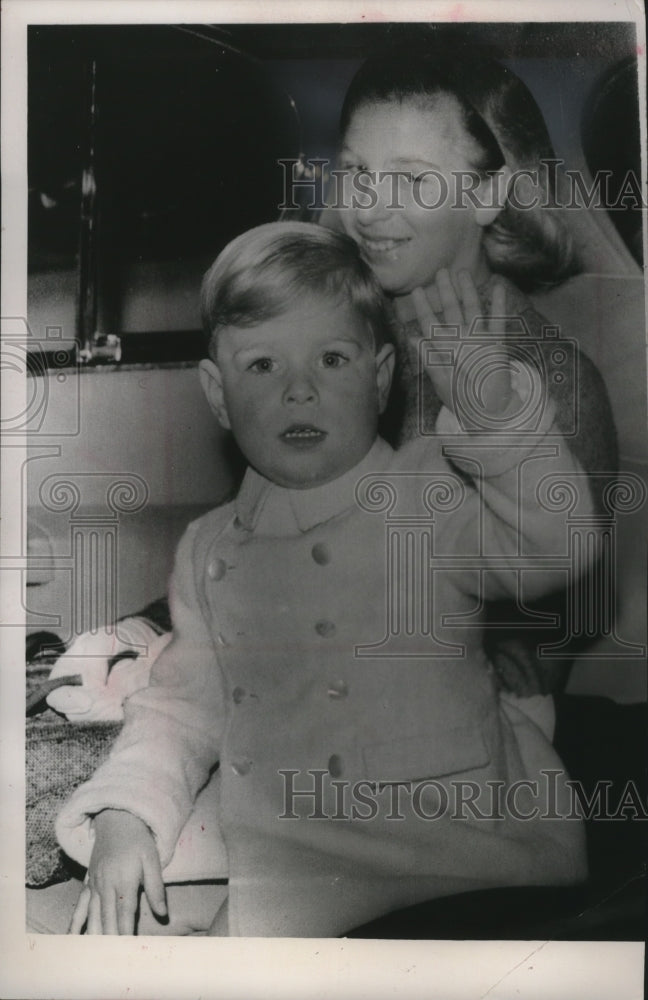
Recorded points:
(429, 755)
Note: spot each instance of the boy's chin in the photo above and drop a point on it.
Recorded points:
(303, 478)
(304, 482)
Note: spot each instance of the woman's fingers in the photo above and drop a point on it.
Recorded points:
(425, 315)
(434, 299)
(482, 374)
(453, 311)
(439, 373)
(472, 306)
(493, 384)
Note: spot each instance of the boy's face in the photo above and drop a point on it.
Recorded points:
(302, 392)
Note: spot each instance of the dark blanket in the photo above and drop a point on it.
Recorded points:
(59, 757)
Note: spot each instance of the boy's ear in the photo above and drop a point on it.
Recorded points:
(492, 193)
(212, 385)
(385, 361)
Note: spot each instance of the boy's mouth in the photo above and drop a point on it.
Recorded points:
(302, 435)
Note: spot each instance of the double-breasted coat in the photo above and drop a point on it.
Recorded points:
(324, 729)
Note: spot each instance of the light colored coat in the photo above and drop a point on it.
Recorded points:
(301, 656)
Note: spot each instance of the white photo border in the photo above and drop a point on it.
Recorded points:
(87, 968)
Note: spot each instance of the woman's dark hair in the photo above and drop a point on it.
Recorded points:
(532, 245)
(612, 143)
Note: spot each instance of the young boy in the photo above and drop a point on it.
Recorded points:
(327, 649)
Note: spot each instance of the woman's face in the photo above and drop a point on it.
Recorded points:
(416, 222)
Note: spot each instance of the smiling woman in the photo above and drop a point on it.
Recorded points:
(430, 229)
(431, 113)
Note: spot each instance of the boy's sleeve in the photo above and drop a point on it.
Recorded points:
(523, 491)
(171, 734)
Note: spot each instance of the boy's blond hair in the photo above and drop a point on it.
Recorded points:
(264, 270)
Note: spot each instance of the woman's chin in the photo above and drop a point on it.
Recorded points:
(398, 277)
(393, 280)
(398, 287)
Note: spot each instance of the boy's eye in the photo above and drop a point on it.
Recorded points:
(263, 366)
(334, 359)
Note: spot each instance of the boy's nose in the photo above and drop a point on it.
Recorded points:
(300, 390)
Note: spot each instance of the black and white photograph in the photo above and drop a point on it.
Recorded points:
(325, 500)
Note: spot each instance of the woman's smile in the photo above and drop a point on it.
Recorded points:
(376, 247)
(407, 239)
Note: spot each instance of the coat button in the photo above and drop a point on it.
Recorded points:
(241, 767)
(338, 689)
(325, 628)
(238, 694)
(217, 569)
(335, 765)
(321, 553)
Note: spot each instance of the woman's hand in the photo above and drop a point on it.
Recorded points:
(124, 858)
(471, 374)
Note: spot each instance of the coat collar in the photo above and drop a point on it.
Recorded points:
(313, 506)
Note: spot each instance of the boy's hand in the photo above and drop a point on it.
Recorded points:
(486, 382)
(124, 858)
